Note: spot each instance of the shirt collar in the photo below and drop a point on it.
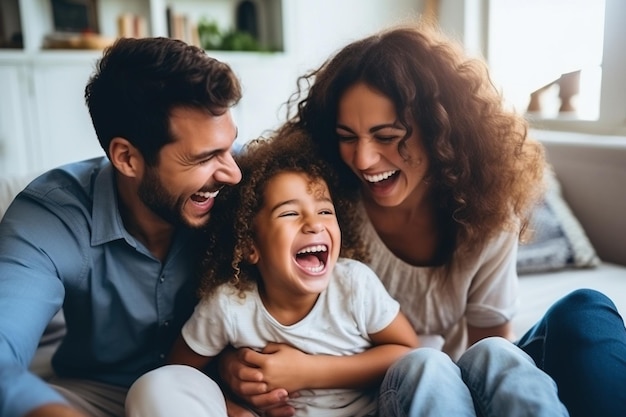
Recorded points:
(107, 224)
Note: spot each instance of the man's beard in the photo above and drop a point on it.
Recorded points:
(154, 195)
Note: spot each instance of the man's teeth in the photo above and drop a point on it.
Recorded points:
(379, 177)
(208, 194)
(316, 248)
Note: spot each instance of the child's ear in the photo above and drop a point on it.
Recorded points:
(253, 255)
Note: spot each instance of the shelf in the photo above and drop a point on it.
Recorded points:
(25, 24)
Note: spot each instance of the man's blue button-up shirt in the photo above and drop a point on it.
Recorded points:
(63, 245)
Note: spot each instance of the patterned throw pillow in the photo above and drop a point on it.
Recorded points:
(558, 239)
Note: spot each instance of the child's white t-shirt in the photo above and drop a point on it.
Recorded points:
(354, 305)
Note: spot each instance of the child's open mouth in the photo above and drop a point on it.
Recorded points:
(313, 258)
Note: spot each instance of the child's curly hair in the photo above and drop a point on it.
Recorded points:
(230, 230)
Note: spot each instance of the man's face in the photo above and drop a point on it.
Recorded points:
(181, 188)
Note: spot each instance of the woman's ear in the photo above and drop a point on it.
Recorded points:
(126, 158)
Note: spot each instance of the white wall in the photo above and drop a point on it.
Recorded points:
(324, 26)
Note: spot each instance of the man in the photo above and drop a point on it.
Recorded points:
(113, 240)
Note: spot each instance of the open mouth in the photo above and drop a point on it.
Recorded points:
(383, 176)
(201, 197)
(313, 258)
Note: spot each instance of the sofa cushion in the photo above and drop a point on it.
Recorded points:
(537, 292)
(558, 239)
(10, 186)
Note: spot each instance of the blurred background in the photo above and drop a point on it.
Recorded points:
(559, 62)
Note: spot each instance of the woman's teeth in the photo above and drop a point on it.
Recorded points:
(379, 177)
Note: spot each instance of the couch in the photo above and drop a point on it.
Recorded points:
(588, 201)
(591, 173)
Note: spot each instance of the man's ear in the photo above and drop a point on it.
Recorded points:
(126, 158)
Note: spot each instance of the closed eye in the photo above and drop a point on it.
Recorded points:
(288, 213)
(387, 139)
(346, 138)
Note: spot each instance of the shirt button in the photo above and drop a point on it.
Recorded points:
(166, 323)
(162, 279)
(162, 356)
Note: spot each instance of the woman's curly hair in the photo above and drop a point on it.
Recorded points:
(230, 231)
(485, 172)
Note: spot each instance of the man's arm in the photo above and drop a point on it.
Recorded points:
(55, 410)
(30, 294)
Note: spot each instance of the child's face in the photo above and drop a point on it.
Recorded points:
(296, 236)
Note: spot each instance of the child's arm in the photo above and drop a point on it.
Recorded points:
(182, 354)
(279, 363)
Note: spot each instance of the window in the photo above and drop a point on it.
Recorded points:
(569, 53)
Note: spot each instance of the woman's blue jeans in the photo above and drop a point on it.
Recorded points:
(493, 378)
(580, 343)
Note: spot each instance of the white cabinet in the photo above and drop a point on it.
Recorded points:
(65, 132)
(15, 147)
(44, 121)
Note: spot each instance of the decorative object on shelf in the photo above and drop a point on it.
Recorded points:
(214, 38)
(247, 18)
(131, 25)
(568, 85)
(75, 16)
(10, 29)
(68, 40)
(75, 26)
(180, 26)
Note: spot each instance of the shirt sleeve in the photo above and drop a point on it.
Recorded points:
(206, 331)
(492, 297)
(375, 308)
(30, 294)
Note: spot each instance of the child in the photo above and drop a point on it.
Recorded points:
(279, 277)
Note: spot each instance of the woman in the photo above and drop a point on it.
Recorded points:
(447, 176)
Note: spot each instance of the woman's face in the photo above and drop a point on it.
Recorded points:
(369, 134)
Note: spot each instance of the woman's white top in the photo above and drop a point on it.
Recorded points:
(480, 290)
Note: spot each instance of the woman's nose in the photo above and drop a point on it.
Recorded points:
(365, 154)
